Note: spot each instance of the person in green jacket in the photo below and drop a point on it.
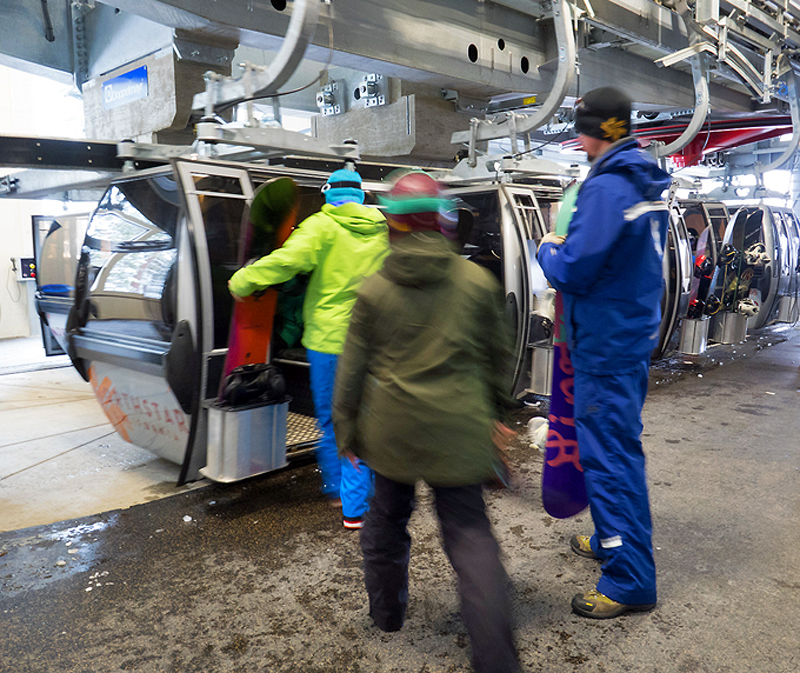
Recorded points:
(339, 246)
(421, 393)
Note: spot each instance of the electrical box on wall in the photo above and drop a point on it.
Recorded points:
(24, 268)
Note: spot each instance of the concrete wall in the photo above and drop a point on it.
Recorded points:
(29, 106)
(417, 126)
(172, 85)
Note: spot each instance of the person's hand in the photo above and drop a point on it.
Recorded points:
(550, 237)
(502, 435)
(235, 296)
(353, 460)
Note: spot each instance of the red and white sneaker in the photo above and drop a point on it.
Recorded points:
(353, 523)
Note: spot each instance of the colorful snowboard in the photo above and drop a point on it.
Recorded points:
(272, 216)
(701, 275)
(739, 292)
(707, 302)
(563, 487)
(702, 300)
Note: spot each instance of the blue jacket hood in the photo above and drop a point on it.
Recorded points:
(625, 157)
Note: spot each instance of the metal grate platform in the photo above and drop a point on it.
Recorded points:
(302, 432)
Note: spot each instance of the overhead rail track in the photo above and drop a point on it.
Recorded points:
(754, 43)
(737, 51)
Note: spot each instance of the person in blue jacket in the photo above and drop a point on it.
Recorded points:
(608, 270)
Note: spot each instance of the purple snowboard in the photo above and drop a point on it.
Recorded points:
(563, 487)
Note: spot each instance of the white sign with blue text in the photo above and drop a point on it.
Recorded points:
(125, 88)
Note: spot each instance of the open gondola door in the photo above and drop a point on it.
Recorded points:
(216, 199)
(521, 232)
(677, 271)
(128, 331)
(57, 243)
(756, 272)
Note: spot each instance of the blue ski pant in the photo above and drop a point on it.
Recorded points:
(608, 421)
(340, 479)
(472, 550)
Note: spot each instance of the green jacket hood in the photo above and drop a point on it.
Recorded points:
(356, 217)
(419, 259)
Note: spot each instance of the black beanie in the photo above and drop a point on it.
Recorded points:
(604, 113)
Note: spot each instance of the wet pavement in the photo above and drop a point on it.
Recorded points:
(260, 576)
(61, 458)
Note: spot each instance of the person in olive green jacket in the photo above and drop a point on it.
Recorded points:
(339, 247)
(420, 393)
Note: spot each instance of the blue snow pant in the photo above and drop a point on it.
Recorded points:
(340, 479)
(472, 550)
(608, 421)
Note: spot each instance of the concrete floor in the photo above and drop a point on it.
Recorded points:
(60, 458)
(260, 576)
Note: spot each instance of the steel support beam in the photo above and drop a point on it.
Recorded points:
(25, 44)
(412, 40)
(54, 184)
(263, 81)
(699, 63)
(699, 74)
(765, 22)
(790, 77)
(661, 87)
(476, 47)
(57, 153)
(642, 22)
(514, 124)
(274, 141)
(113, 39)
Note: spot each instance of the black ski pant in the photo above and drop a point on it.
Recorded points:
(472, 550)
